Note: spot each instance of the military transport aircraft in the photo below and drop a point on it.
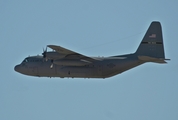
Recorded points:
(62, 62)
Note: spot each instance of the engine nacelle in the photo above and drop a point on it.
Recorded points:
(54, 55)
(71, 62)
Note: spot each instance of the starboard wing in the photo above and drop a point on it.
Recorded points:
(70, 54)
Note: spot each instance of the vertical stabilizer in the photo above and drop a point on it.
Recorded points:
(152, 43)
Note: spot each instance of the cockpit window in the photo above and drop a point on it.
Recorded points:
(25, 60)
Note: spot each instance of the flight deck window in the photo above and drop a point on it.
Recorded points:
(26, 60)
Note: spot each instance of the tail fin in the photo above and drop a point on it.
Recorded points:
(152, 44)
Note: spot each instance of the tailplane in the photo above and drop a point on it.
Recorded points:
(151, 49)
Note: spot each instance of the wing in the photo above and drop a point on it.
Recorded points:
(70, 54)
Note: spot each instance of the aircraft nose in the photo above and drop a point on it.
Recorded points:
(17, 68)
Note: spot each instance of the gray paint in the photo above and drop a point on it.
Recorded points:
(67, 63)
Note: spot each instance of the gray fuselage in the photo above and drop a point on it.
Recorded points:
(105, 67)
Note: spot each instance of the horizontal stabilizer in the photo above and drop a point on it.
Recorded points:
(152, 59)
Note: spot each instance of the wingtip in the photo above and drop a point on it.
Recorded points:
(49, 45)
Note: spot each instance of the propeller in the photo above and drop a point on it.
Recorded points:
(44, 56)
(44, 53)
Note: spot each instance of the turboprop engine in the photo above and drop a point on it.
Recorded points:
(52, 55)
(57, 58)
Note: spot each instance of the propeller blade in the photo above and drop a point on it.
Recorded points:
(44, 52)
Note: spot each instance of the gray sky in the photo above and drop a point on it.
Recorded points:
(93, 28)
